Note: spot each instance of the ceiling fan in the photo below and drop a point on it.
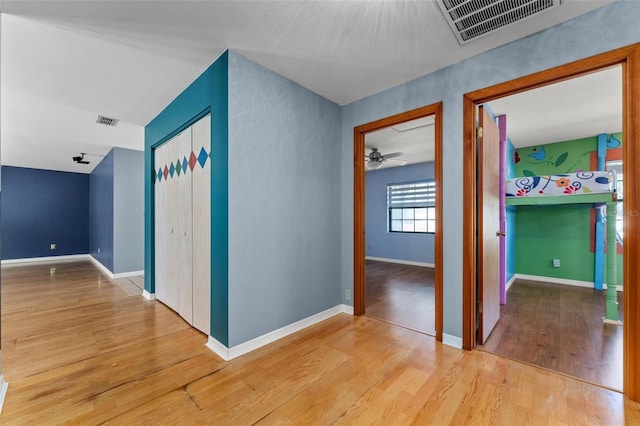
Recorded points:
(376, 158)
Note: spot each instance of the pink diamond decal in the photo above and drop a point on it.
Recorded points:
(192, 160)
(166, 172)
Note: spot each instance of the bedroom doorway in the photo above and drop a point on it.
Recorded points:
(552, 314)
(391, 220)
(629, 60)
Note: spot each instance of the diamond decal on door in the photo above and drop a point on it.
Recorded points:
(160, 174)
(192, 161)
(153, 176)
(178, 167)
(202, 157)
(172, 169)
(165, 172)
(185, 164)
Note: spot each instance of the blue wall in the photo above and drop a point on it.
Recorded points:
(379, 242)
(128, 210)
(610, 27)
(284, 201)
(40, 207)
(101, 211)
(207, 93)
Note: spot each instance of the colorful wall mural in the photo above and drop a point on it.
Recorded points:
(564, 232)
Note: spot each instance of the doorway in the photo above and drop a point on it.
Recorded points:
(360, 152)
(552, 310)
(629, 59)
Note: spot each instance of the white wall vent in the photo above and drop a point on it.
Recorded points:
(470, 19)
(107, 121)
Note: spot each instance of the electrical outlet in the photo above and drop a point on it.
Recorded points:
(556, 263)
(347, 294)
(53, 246)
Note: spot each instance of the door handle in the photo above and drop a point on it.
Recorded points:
(501, 234)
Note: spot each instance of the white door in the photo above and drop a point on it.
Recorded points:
(202, 225)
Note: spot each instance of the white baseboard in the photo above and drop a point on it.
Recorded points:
(110, 274)
(563, 281)
(347, 309)
(230, 353)
(46, 259)
(508, 285)
(148, 296)
(401, 262)
(449, 340)
(4, 385)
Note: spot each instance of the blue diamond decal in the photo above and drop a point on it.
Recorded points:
(185, 164)
(160, 174)
(202, 157)
(172, 169)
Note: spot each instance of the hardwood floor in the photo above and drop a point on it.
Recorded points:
(560, 327)
(77, 350)
(402, 295)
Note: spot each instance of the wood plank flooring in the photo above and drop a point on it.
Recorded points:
(77, 350)
(560, 327)
(402, 295)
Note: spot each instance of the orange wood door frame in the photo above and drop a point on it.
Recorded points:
(359, 288)
(629, 58)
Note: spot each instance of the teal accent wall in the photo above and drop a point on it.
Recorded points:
(209, 92)
(511, 215)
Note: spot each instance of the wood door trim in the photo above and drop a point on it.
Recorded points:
(629, 58)
(359, 132)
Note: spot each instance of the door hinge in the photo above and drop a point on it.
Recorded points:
(479, 132)
(479, 307)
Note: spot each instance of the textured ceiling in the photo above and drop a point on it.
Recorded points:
(65, 62)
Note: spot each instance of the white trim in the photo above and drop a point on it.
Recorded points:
(46, 259)
(128, 274)
(510, 282)
(148, 296)
(608, 321)
(4, 385)
(347, 309)
(449, 340)
(218, 348)
(253, 344)
(401, 262)
(563, 281)
(110, 274)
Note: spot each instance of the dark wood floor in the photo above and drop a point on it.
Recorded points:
(402, 295)
(560, 327)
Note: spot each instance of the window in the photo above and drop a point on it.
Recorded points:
(617, 166)
(411, 207)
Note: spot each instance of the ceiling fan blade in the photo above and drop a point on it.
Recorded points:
(400, 162)
(393, 155)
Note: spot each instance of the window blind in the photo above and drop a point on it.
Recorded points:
(416, 194)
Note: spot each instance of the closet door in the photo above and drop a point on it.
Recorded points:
(183, 255)
(201, 176)
(160, 226)
(172, 215)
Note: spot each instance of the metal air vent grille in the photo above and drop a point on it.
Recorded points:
(470, 19)
(107, 121)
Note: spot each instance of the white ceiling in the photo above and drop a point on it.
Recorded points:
(572, 109)
(65, 62)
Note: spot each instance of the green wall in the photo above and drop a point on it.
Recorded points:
(544, 233)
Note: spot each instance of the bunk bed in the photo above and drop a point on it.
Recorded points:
(595, 188)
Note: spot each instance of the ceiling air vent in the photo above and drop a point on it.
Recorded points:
(107, 121)
(470, 19)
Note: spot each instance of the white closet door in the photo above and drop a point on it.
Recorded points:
(202, 225)
(172, 215)
(160, 226)
(184, 247)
